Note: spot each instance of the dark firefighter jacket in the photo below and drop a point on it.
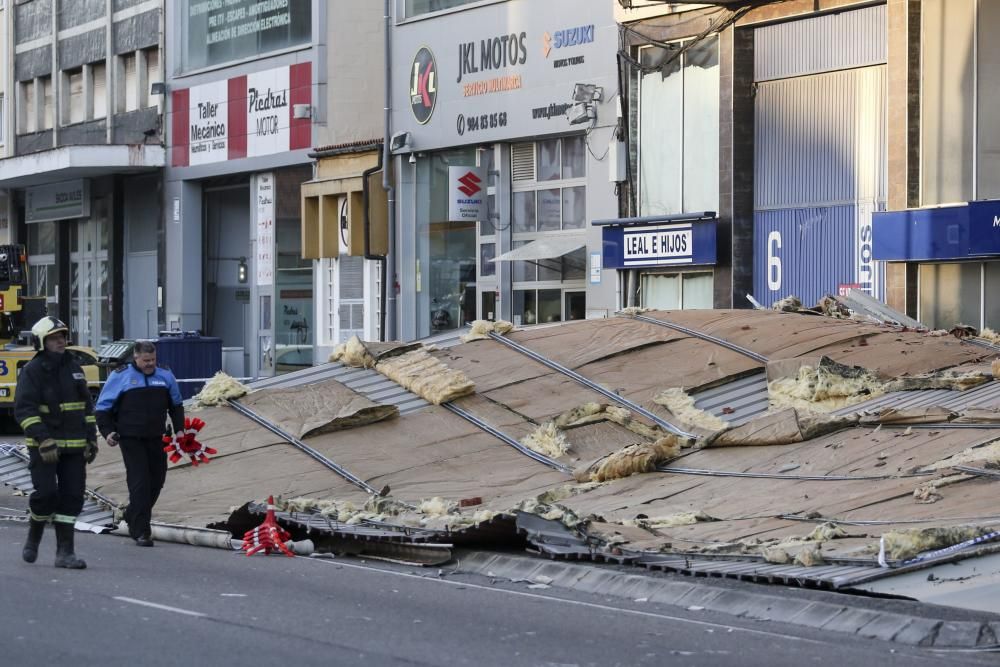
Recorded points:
(135, 405)
(52, 401)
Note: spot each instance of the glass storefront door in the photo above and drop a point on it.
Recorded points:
(90, 280)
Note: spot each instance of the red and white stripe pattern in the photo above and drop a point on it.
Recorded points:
(187, 444)
(268, 537)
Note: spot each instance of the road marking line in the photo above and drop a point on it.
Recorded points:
(162, 607)
(580, 603)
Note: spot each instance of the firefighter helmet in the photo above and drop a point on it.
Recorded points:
(45, 327)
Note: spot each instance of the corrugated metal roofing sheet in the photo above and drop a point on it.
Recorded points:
(745, 398)
(14, 472)
(821, 44)
(367, 382)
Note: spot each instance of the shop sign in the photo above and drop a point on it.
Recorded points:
(466, 194)
(659, 245)
(567, 37)
(264, 198)
(57, 201)
(245, 116)
(423, 85)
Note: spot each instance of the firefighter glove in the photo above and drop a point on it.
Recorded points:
(90, 451)
(49, 451)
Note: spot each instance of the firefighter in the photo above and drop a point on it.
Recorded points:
(52, 403)
(131, 412)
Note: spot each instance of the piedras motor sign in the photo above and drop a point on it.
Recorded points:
(423, 85)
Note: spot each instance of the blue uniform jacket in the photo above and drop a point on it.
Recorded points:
(135, 405)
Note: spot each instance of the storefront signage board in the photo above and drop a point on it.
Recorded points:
(627, 247)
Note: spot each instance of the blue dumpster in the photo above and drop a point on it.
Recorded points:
(190, 356)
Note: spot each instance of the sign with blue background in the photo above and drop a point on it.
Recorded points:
(630, 247)
(947, 232)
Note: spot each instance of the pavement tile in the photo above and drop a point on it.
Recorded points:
(731, 602)
(816, 614)
(885, 626)
(964, 634)
(768, 608)
(850, 620)
(669, 592)
(920, 632)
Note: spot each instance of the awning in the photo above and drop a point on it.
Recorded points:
(545, 248)
(69, 162)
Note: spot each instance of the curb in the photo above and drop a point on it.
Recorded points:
(872, 624)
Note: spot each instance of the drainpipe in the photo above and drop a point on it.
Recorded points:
(383, 262)
(389, 281)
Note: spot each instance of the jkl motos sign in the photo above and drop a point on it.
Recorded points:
(243, 117)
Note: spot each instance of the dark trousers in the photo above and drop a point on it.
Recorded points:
(58, 486)
(146, 470)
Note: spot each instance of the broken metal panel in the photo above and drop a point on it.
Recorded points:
(14, 473)
(735, 402)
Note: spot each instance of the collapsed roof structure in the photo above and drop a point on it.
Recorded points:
(766, 445)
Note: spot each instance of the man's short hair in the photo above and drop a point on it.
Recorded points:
(143, 347)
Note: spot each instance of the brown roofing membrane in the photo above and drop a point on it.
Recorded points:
(434, 453)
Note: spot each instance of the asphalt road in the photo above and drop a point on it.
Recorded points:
(177, 604)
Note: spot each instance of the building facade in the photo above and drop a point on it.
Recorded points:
(246, 83)
(82, 157)
(773, 118)
(503, 125)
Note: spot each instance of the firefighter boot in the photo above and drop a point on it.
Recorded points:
(64, 548)
(35, 530)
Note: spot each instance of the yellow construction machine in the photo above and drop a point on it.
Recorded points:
(18, 312)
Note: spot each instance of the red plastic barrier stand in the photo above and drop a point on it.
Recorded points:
(268, 537)
(187, 444)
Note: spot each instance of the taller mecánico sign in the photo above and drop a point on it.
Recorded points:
(245, 116)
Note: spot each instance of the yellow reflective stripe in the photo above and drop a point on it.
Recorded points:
(63, 518)
(44, 409)
(71, 443)
(37, 517)
(29, 442)
(30, 421)
(90, 419)
(76, 405)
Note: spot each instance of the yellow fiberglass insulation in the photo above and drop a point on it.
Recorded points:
(776, 556)
(810, 556)
(950, 379)
(218, 390)
(633, 310)
(583, 414)
(671, 521)
(436, 507)
(990, 335)
(987, 453)
(547, 439)
(927, 492)
(426, 376)
(623, 417)
(481, 330)
(638, 458)
(353, 353)
(681, 405)
(825, 387)
(790, 303)
(905, 544)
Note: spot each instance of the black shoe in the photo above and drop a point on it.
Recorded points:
(144, 541)
(65, 557)
(30, 551)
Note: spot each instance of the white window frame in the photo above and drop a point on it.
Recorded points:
(680, 282)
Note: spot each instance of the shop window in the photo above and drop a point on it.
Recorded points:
(487, 251)
(413, 8)
(991, 297)
(677, 291)
(678, 129)
(524, 212)
(219, 32)
(543, 306)
(42, 267)
(950, 294)
(73, 104)
(489, 305)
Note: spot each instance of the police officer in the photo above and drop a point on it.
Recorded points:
(131, 412)
(53, 406)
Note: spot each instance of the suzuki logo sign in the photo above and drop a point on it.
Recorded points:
(423, 85)
(466, 198)
(469, 184)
